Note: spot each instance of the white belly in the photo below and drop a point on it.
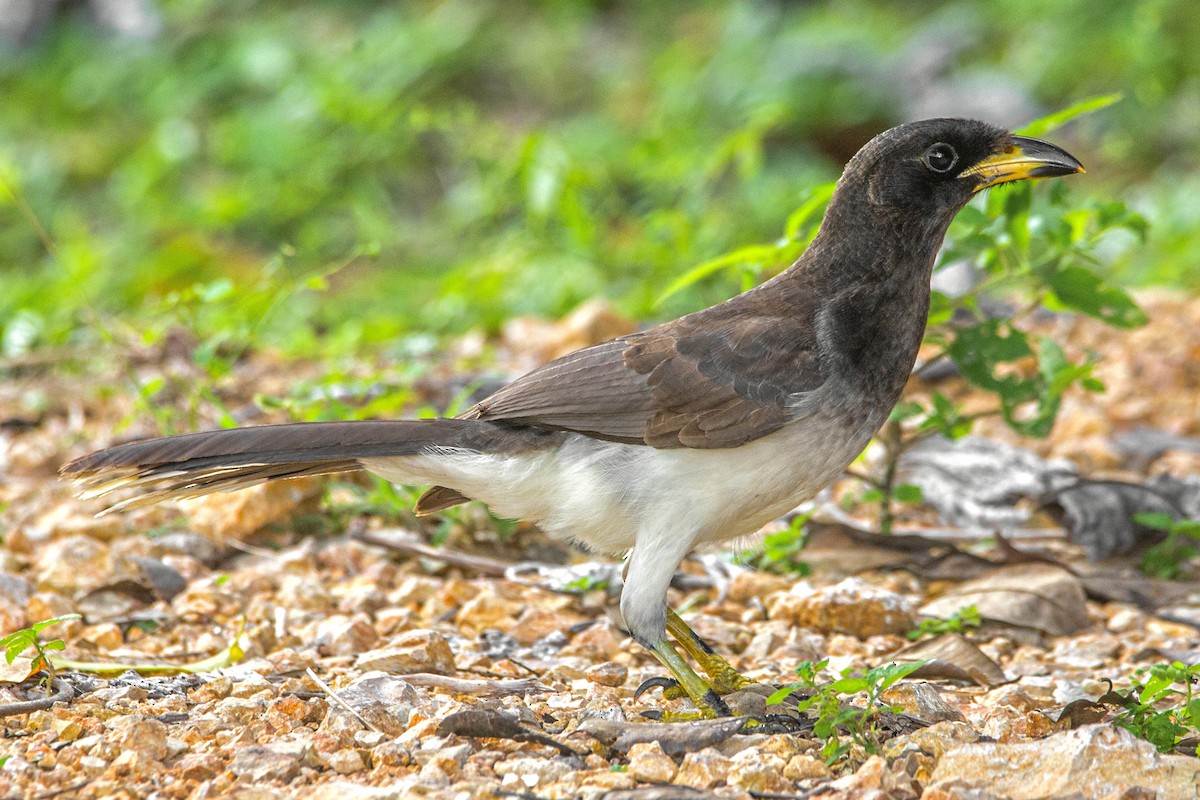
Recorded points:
(603, 494)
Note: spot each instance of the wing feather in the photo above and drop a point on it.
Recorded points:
(716, 378)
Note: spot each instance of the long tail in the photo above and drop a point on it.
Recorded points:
(200, 463)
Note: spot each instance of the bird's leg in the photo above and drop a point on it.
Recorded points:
(724, 679)
(708, 702)
(648, 573)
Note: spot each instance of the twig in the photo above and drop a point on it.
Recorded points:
(332, 695)
(56, 792)
(401, 542)
(428, 680)
(64, 693)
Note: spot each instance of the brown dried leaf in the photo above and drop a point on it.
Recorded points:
(952, 657)
(1039, 596)
(19, 671)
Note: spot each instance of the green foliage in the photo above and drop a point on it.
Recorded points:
(1166, 559)
(834, 717)
(501, 158)
(1157, 709)
(584, 584)
(779, 551)
(966, 617)
(17, 642)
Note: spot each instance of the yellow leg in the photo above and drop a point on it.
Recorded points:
(724, 678)
(708, 702)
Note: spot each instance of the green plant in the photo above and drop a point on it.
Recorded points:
(584, 584)
(1143, 710)
(965, 617)
(778, 552)
(17, 642)
(1166, 559)
(834, 717)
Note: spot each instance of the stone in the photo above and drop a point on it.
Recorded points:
(239, 515)
(346, 761)
(485, 611)
(143, 735)
(751, 584)
(340, 635)
(609, 673)
(413, 651)
(265, 763)
(922, 700)
(391, 754)
(72, 564)
(852, 607)
(1093, 761)
(936, 740)
(14, 596)
(537, 622)
(199, 766)
(869, 776)
(345, 790)
(756, 772)
(599, 642)
(803, 766)
(239, 711)
(68, 730)
(531, 772)
(648, 763)
(702, 769)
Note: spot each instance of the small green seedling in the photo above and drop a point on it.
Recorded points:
(18, 642)
(834, 716)
(965, 617)
(1156, 709)
(779, 550)
(1166, 559)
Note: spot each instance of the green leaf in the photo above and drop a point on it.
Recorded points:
(979, 349)
(783, 693)
(38, 627)
(849, 685)
(908, 493)
(818, 198)
(15, 648)
(888, 674)
(756, 254)
(1043, 125)
(905, 410)
(1082, 290)
(1155, 519)
(946, 418)
(941, 308)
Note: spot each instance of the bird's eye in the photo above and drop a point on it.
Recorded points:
(940, 157)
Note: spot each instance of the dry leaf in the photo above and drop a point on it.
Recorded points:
(1038, 596)
(952, 657)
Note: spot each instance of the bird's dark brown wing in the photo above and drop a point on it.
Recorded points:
(717, 378)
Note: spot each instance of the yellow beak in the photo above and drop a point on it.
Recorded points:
(1024, 159)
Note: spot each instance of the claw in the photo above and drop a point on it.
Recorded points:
(659, 681)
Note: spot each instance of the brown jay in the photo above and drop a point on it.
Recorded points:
(696, 430)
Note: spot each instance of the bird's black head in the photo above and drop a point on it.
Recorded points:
(933, 167)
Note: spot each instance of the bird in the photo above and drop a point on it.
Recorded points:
(696, 430)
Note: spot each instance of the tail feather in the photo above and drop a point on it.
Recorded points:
(199, 463)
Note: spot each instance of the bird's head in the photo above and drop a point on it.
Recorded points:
(933, 167)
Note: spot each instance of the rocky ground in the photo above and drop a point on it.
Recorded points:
(352, 658)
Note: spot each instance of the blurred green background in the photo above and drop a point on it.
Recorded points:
(451, 164)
